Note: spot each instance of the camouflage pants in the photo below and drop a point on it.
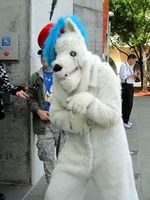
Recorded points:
(49, 145)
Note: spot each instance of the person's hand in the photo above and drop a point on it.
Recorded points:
(22, 94)
(134, 75)
(43, 115)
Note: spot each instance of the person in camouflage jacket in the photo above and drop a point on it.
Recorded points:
(50, 140)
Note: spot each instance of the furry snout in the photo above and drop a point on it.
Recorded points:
(57, 68)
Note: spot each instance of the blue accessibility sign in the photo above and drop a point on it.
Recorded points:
(6, 41)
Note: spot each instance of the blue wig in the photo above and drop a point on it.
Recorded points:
(49, 47)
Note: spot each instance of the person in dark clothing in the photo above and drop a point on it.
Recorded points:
(7, 87)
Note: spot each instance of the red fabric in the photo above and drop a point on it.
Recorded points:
(105, 22)
(44, 34)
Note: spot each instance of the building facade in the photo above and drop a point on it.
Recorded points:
(18, 153)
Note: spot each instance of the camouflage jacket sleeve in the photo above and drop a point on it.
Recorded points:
(34, 101)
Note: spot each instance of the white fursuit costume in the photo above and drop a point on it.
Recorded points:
(87, 105)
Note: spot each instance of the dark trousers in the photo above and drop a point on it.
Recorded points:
(127, 101)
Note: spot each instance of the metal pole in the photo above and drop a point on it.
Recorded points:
(54, 2)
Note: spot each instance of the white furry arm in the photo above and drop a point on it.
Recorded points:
(78, 103)
(102, 114)
(105, 110)
(65, 120)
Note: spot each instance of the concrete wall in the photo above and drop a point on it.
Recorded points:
(14, 133)
(18, 152)
(39, 18)
(91, 14)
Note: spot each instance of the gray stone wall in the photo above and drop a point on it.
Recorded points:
(91, 14)
(14, 132)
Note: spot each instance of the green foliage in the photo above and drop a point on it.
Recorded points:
(131, 22)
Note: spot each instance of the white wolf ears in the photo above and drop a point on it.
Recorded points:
(71, 27)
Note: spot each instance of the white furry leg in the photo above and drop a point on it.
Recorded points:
(64, 186)
(114, 180)
(70, 177)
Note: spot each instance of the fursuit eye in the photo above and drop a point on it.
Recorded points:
(73, 53)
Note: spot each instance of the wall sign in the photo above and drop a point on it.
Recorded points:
(9, 46)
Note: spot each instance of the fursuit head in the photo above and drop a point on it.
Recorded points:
(87, 105)
(85, 90)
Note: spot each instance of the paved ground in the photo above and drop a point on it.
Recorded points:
(139, 140)
(139, 143)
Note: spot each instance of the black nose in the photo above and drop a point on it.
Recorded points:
(57, 68)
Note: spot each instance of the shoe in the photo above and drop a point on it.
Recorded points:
(129, 123)
(126, 125)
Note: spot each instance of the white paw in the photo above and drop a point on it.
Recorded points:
(78, 103)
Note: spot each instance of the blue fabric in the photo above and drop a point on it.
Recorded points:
(48, 81)
(49, 47)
